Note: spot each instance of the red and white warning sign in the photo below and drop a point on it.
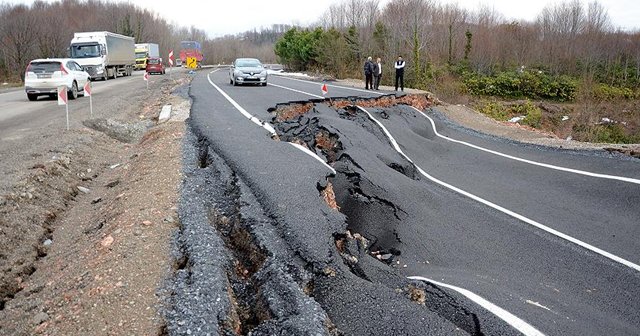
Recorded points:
(324, 89)
(146, 76)
(62, 95)
(171, 57)
(87, 89)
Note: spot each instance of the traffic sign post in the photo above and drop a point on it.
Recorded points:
(62, 100)
(192, 62)
(324, 89)
(170, 63)
(146, 79)
(87, 93)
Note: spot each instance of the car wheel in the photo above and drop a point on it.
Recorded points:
(73, 94)
(264, 84)
(32, 97)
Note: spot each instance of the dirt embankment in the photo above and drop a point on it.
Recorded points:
(86, 230)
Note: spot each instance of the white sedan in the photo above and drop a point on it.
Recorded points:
(44, 76)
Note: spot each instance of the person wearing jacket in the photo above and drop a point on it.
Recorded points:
(377, 74)
(368, 74)
(399, 65)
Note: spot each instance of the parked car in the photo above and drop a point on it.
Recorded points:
(247, 70)
(44, 76)
(154, 65)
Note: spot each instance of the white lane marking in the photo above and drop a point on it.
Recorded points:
(546, 165)
(263, 124)
(314, 155)
(514, 321)
(298, 91)
(335, 86)
(244, 112)
(502, 209)
(537, 304)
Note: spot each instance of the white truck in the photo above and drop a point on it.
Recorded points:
(145, 51)
(104, 54)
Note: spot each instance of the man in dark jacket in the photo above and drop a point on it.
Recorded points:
(399, 65)
(368, 74)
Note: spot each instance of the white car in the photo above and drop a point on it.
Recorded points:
(44, 76)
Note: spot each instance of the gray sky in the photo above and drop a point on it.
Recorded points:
(220, 17)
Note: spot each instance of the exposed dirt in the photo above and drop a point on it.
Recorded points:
(86, 230)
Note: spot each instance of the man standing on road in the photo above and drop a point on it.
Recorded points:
(368, 73)
(377, 74)
(400, 73)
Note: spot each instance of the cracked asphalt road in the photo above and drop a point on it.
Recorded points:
(320, 269)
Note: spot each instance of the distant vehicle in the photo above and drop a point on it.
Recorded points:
(104, 54)
(247, 71)
(190, 49)
(145, 51)
(44, 76)
(155, 65)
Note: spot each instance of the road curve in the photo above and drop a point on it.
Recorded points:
(551, 284)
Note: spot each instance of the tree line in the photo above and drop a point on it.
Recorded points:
(438, 40)
(44, 29)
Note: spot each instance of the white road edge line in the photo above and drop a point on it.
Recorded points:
(335, 86)
(514, 321)
(298, 91)
(502, 209)
(546, 165)
(263, 124)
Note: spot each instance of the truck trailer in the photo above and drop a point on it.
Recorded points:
(145, 51)
(104, 54)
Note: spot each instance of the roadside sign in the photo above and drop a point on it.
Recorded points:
(146, 76)
(62, 95)
(192, 62)
(62, 100)
(87, 93)
(324, 89)
(170, 57)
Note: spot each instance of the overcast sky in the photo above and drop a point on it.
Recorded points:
(220, 17)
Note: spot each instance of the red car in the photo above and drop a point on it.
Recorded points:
(154, 65)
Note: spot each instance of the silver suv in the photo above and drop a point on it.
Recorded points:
(247, 71)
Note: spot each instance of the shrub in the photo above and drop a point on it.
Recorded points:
(502, 112)
(608, 92)
(526, 84)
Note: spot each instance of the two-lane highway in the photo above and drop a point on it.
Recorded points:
(470, 220)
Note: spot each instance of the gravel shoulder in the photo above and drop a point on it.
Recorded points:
(86, 221)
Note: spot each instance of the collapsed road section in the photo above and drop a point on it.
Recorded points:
(275, 246)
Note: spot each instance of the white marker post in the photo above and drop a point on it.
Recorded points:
(146, 79)
(62, 100)
(87, 93)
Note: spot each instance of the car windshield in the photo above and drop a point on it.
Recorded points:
(44, 67)
(85, 50)
(141, 54)
(248, 64)
(153, 61)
